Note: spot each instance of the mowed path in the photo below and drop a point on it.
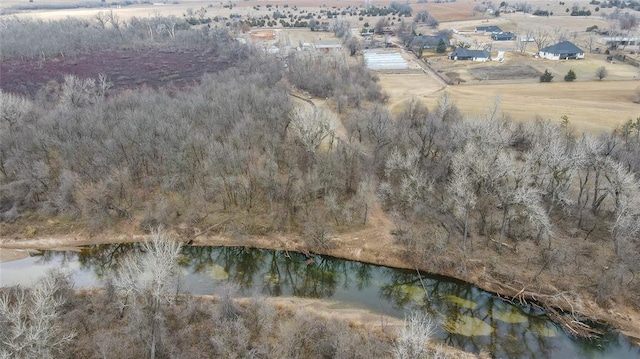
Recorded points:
(592, 106)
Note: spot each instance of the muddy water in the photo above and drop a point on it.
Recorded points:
(469, 318)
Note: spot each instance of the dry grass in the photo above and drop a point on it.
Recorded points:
(403, 87)
(594, 106)
(591, 106)
(459, 10)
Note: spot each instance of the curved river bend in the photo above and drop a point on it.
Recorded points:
(471, 319)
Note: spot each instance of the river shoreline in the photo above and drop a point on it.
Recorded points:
(556, 302)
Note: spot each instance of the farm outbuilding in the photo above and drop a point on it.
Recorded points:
(564, 50)
(473, 55)
(327, 46)
(619, 41)
(384, 60)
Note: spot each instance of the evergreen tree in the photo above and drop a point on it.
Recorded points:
(442, 47)
(570, 76)
(546, 77)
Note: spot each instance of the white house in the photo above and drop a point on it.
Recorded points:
(564, 50)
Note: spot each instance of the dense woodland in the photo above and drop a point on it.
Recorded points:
(238, 148)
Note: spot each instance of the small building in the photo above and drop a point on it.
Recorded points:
(489, 30)
(327, 46)
(503, 36)
(619, 41)
(473, 55)
(564, 50)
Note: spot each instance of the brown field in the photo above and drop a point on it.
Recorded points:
(570, 23)
(263, 35)
(472, 72)
(406, 86)
(152, 67)
(459, 10)
(591, 106)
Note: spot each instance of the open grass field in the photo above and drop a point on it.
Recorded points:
(594, 106)
(403, 87)
(522, 66)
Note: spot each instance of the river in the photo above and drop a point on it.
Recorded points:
(470, 319)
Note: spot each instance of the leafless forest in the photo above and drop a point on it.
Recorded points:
(237, 147)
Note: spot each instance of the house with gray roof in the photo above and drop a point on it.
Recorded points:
(503, 36)
(474, 55)
(429, 42)
(564, 50)
(488, 30)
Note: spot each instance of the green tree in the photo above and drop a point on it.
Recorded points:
(442, 47)
(570, 76)
(546, 77)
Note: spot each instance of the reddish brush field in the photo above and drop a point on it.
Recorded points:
(124, 68)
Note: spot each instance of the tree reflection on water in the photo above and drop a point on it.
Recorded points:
(515, 332)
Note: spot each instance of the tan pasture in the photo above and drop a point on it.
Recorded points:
(402, 87)
(593, 106)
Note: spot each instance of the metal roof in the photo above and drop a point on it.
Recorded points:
(466, 53)
(384, 60)
(490, 28)
(564, 47)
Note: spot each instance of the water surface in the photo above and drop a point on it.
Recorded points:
(470, 319)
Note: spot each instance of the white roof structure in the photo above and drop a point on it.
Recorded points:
(324, 45)
(384, 60)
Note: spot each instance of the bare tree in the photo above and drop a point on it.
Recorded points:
(78, 92)
(524, 38)
(462, 190)
(407, 184)
(601, 73)
(560, 34)
(29, 319)
(628, 23)
(146, 281)
(101, 19)
(353, 44)
(590, 40)
(406, 31)
(624, 188)
(311, 127)
(555, 163)
(414, 336)
(380, 25)
(541, 37)
(341, 28)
